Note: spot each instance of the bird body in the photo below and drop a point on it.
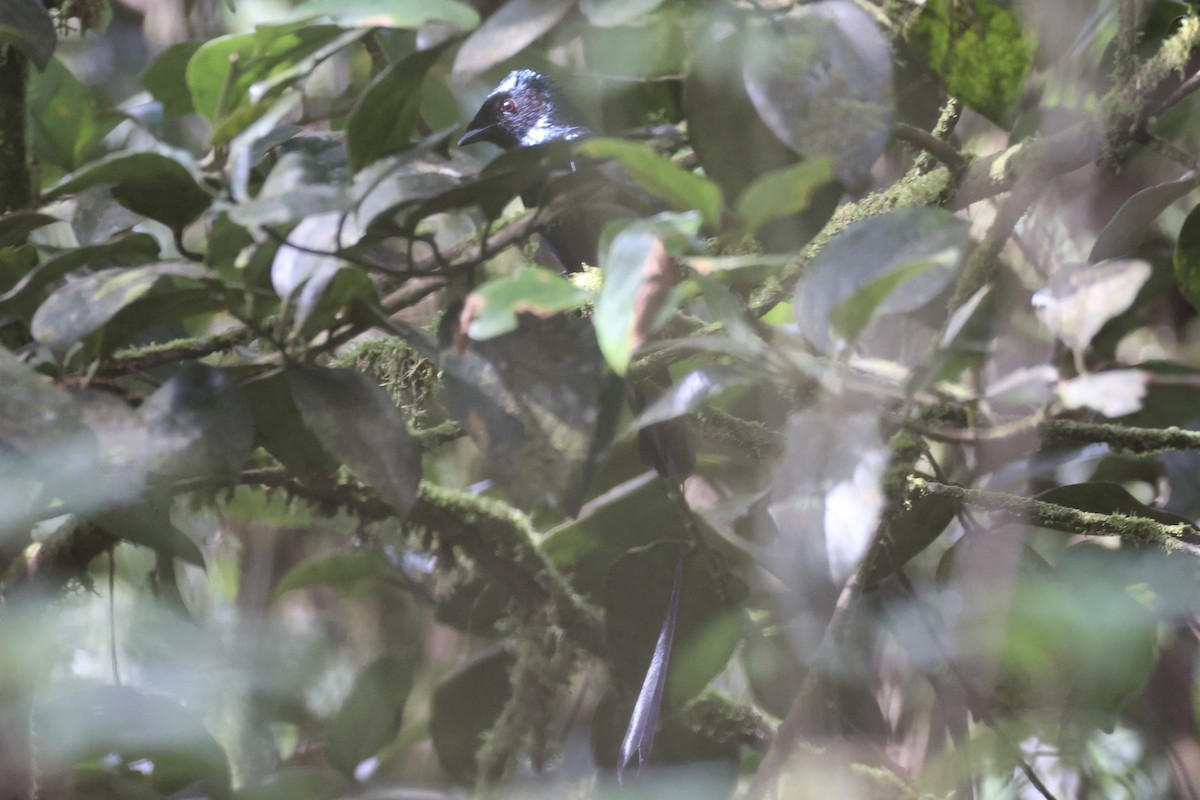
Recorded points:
(527, 109)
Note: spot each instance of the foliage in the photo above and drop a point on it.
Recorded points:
(318, 482)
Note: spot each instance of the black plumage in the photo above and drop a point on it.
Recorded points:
(526, 109)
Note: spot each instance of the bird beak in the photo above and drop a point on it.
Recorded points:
(476, 134)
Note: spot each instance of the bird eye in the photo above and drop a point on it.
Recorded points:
(508, 106)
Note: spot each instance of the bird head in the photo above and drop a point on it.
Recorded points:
(526, 108)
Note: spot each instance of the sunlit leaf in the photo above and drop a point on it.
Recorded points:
(391, 13)
(1080, 298)
(693, 391)
(494, 306)
(683, 190)
(782, 193)
(608, 13)
(979, 51)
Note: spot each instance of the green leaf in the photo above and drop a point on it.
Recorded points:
(162, 184)
(358, 424)
(495, 305)
(1133, 220)
(27, 26)
(16, 227)
(629, 264)
(1187, 258)
(782, 192)
(84, 305)
(464, 707)
(387, 112)
(166, 79)
(348, 574)
(63, 116)
(890, 264)
(821, 80)
(683, 190)
(371, 715)
(280, 430)
(1101, 497)
(979, 51)
(390, 13)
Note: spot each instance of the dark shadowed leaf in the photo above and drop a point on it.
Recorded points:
(149, 525)
(637, 594)
(821, 79)
(280, 430)
(391, 13)
(26, 25)
(165, 79)
(16, 227)
(505, 33)
(387, 112)
(358, 424)
(63, 117)
(537, 401)
(1129, 226)
(494, 306)
(783, 192)
(371, 715)
(683, 190)
(161, 185)
(84, 305)
(890, 264)
(348, 574)
(1101, 497)
(978, 50)
(638, 278)
(199, 425)
(464, 708)
(1187, 258)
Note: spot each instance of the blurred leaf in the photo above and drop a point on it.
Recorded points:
(638, 275)
(358, 424)
(1113, 393)
(161, 184)
(494, 306)
(166, 79)
(349, 574)
(537, 401)
(979, 51)
(297, 783)
(908, 533)
(391, 13)
(890, 264)
(463, 709)
(386, 114)
(84, 305)
(782, 193)
(82, 726)
(637, 594)
(821, 80)
(149, 525)
(371, 715)
(199, 425)
(123, 250)
(683, 190)
(27, 26)
(63, 116)
(608, 13)
(505, 33)
(1129, 226)
(1080, 298)
(310, 281)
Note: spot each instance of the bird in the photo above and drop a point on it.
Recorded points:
(527, 109)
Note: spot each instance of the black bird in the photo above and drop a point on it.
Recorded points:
(527, 109)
